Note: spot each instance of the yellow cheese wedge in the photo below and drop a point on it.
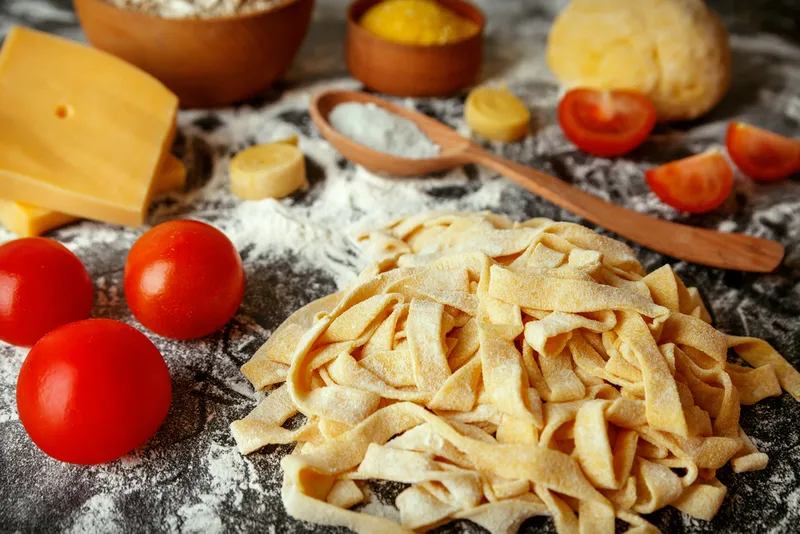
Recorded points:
(171, 177)
(273, 170)
(27, 220)
(81, 131)
(496, 114)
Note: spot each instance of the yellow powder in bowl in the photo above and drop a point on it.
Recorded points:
(417, 22)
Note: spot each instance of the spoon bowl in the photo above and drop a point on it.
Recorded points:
(698, 245)
(453, 146)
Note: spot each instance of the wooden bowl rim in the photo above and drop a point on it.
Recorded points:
(134, 13)
(354, 26)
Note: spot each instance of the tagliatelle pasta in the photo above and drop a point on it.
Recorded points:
(504, 371)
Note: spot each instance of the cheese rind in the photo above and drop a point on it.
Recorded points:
(82, 132)
(27, 220)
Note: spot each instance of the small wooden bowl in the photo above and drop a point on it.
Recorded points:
(206, 62)
(413, 70)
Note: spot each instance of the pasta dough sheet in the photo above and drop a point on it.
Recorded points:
(507, 370)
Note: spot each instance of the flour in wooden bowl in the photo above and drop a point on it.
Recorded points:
(177, 9)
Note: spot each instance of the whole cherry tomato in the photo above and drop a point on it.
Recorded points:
(696, 184)
(184, 279)
(91, 391)
(606, 123)
(42, 286)
(761, 154)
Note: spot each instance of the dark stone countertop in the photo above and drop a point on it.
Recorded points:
(190, 478)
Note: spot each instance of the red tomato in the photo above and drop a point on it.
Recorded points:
(184, 279)
(42, 286)
(760, 154)
(92, 391)
(606, 123)
(696, 184)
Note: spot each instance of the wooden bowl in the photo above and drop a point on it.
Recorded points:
(413, 70)
(206, 62)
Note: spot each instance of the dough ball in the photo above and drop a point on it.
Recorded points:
(675, 51)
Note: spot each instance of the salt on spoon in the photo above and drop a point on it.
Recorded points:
(381, 130)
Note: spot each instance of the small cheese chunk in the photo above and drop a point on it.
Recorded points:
(497, 114)
(273, 170)
(27, 220)
(83, 132)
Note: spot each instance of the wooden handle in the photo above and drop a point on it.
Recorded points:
(697, 245)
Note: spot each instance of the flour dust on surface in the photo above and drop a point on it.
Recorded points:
(190, 478)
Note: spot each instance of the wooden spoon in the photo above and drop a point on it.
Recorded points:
(698, 245)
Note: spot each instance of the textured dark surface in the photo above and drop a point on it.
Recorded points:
(189, 478)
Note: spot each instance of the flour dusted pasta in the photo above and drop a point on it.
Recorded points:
(506, 370)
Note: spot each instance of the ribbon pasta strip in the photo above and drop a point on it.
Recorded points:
(504, 371)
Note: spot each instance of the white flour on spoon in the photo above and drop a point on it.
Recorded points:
(382, 130)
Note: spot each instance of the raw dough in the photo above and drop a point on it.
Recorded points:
(675, 51)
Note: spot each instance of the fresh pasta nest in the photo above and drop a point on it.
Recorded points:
(505, 371)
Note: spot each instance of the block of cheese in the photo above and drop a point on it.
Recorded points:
(82, 132)
(27, 220)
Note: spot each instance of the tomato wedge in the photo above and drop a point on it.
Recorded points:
(761, 154)
(696, 184)
(606, 123)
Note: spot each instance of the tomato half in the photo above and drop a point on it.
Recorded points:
(91, 391)
(606, 123)
(184, 279)
(760, 154)
(42, 286)
(696, 184)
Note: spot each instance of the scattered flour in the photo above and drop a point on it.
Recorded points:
(195, 480)
(373, 506)
(39, 9)
(200, 518)
(382, 130)
(98, 514)
(287, 231)
(9, 369)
